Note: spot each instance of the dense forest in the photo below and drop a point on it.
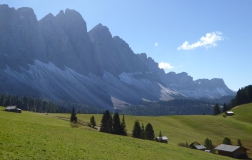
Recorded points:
(42, 105)
(243, 96)
(173, 107)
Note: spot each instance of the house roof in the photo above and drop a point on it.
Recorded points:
(194, 143)
(163, 138)
(227, 148)
(200, 147)
(11, 107)
(230, 112)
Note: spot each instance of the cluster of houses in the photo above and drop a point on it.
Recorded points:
(224, 150)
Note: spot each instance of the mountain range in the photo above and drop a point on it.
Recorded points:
(57, 58)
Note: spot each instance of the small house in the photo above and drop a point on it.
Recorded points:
(13, 109)
(162, 139)
(196, 145)
(229, 113)
(232, 151)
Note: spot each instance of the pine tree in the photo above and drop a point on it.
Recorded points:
(136, 133)
(239, 143)
(149, 132)
(116, 127)
(123, 127)
(92, 122)
(106, 122)
(216, 109)
(142, 136)
(209, 144)
(160, 136)
(227, 141)
(224, 109)
(73, 118)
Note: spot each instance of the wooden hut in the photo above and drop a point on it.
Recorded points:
(229, 113)
(196, 145)
(13, 109)
(232, 151)
(162, 139)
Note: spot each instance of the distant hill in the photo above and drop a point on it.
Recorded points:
(243, 113)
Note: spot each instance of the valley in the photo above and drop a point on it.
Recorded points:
(47, 137)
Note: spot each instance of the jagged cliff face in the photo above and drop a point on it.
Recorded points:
(57, 58)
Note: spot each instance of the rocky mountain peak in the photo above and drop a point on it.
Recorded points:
(100, 33)
(57, 58)
(27, 14)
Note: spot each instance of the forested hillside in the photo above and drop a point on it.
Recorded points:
(45, 105)
(173, 107)
(243, 96)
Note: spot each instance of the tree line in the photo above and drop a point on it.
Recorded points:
(30, 104)
(113, 124)
(243, 96)
(217, 110)
(45, 105)
(142, 132)
(173, 107)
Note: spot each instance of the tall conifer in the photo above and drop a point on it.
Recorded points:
(136, 133)
(106, 122)
(149, 132)
(73, 116)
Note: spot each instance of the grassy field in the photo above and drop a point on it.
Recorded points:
(39, 136)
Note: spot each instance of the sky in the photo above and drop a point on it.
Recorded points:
(207, 39)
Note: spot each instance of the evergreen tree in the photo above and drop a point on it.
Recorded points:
(136, 133)
(243, 95)
(106, 122)
(225, 108)
(142, 136)
(216, 109)
(208, 144)
(149, 132)
(123, 127)
(92, 122)
(116, 127)
(160, 134)
(73, 116)
(239, 143)
(227, 141)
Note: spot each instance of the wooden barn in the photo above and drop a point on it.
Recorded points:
(196, 145)
(13, 109)
(232, 151)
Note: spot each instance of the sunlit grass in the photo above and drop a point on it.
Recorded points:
(39, 136)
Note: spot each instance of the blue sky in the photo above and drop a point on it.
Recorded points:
(206, 39)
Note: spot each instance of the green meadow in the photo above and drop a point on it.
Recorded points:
(40, 136)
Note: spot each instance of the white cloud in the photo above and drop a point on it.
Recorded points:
(165, 65)
(208, 41)
(156, 44)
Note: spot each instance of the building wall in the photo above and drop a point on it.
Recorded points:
(238, 152)
(235, 154)
(224, 153)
